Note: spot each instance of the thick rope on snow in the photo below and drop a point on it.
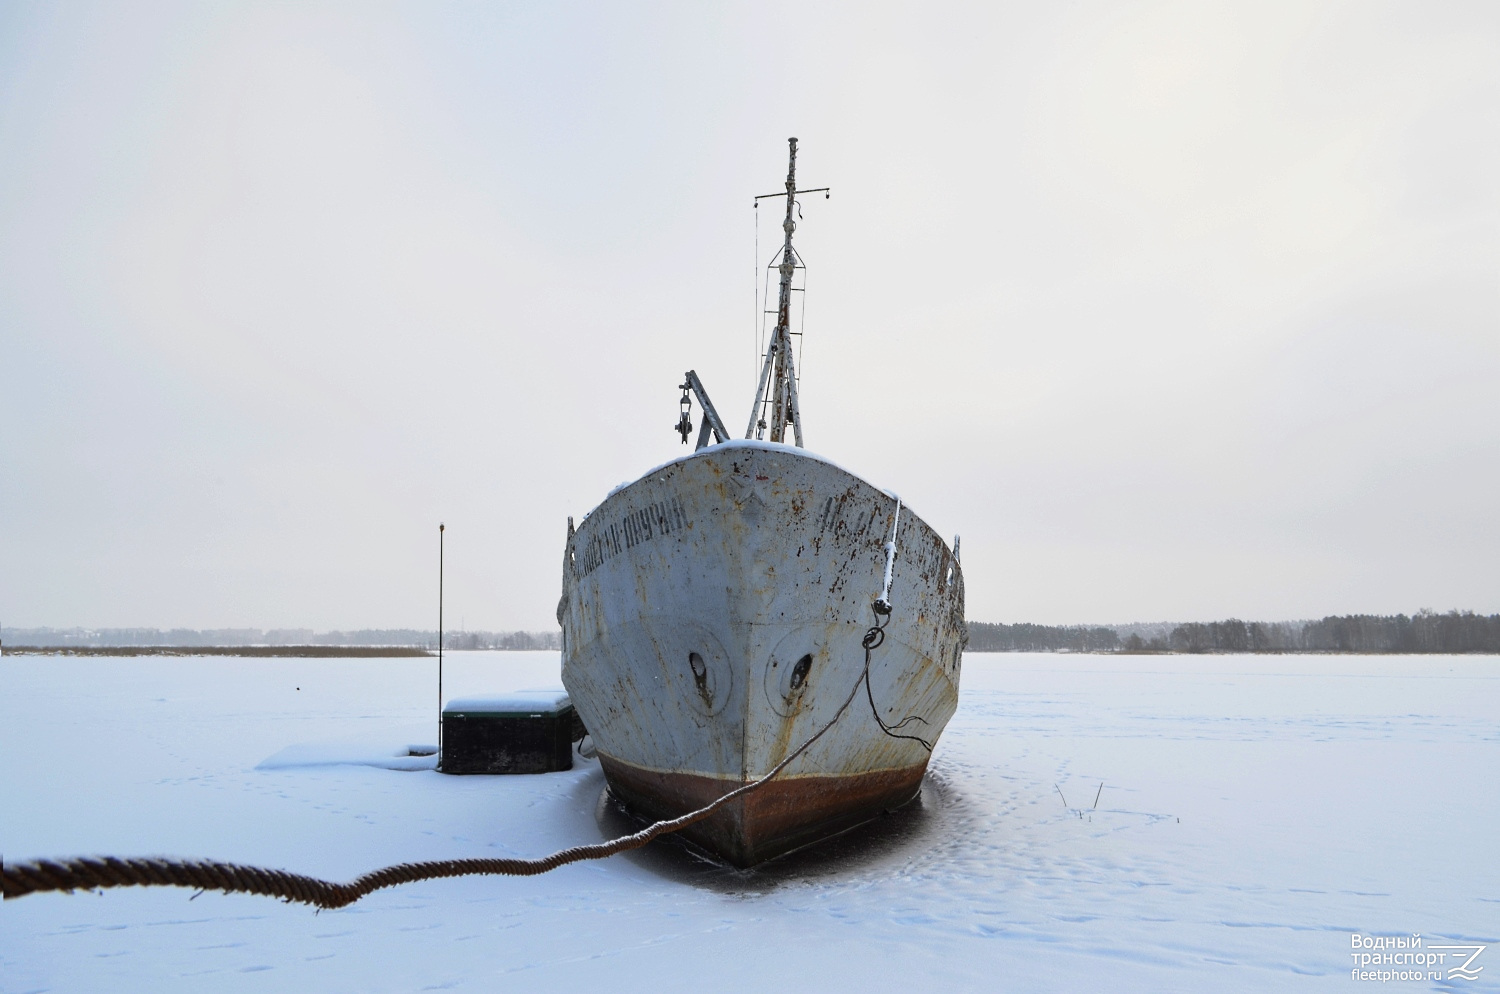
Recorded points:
(88, 873)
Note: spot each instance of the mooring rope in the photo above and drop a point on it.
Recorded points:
(872, 641)
(875, 636)
(90, 872)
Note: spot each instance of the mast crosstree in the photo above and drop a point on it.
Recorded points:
(777, 389)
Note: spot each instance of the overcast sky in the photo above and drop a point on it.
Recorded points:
(1173, 311)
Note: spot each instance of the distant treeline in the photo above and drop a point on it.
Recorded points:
(985, 637)
(1454, 632)
(195, 638)
(253, 651)
(1425, 631)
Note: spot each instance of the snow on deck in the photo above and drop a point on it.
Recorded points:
(1255, 812)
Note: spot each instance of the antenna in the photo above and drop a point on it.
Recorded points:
(778, 373)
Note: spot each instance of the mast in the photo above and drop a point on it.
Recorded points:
(782, 409)
(779, 372)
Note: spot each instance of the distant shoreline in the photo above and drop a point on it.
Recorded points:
(1425, 632)
(262, 651)
(408, 652)
(1231, 652)
(217, 640)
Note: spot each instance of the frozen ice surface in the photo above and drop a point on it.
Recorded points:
(1255, 811)
(351, 754)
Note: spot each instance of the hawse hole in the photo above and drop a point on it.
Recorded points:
(799, 672)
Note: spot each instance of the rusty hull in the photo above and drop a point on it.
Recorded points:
(712, 614)
(784, 815)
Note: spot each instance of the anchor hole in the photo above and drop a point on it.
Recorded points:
(799, 672)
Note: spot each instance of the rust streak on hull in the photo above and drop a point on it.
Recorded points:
(782, 816)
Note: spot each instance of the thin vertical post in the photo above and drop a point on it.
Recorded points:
(440, 643)
(781, 406)
(777, 391)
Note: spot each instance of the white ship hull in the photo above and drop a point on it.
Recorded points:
(712, 620)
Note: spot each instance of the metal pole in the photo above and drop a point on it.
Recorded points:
(757, 418)
(440, 643)
(778, 372)
(781, 408)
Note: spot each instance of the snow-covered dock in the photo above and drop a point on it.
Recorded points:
(1255, 812)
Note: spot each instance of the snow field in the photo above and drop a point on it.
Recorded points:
(1255, 812)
